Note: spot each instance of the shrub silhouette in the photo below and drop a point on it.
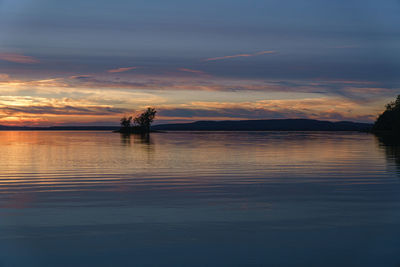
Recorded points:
(389, 120)
(140, 124)
(145, 119)
(126, 123)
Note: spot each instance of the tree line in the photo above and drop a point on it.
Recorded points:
(389, 120)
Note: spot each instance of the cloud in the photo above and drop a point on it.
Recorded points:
(264, 52)
(52, 111)
(122, 69)
(91, 98)
(26, 110)
(313, 108)
(18, 58)
(344, 46)
(240, 55)
(80, 77)
(61, 110)
(4, 77)
(192, 71)
(356, 90)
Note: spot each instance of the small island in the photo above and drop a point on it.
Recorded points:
(138, 125)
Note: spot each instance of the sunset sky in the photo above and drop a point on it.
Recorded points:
(90, 62)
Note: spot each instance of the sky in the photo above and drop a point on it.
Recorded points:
(81, 62)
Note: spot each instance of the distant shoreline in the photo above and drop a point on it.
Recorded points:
(60, 128)
(267, 125)
(243, 125)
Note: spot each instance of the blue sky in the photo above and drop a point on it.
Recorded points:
(196, 59)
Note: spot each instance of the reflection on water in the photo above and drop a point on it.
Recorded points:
(198, 199)
(391, 145)
(129, 139)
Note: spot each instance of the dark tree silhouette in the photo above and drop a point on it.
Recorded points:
(126, 123)
(389, 120)
(145, 119)
(140, 124)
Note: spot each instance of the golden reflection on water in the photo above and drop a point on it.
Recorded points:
(62, 161)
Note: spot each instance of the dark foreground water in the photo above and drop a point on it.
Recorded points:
(198, 199)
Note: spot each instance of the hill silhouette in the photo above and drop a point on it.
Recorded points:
(266, 125)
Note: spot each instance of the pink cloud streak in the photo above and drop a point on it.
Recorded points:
(192, 71)
(18, 58)
(121, 69)
(240, 55)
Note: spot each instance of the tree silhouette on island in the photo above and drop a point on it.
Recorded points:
(389, 121)
(140, 124)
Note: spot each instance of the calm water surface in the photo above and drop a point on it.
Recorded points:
(198, 199)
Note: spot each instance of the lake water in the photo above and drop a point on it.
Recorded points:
(198, 199)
